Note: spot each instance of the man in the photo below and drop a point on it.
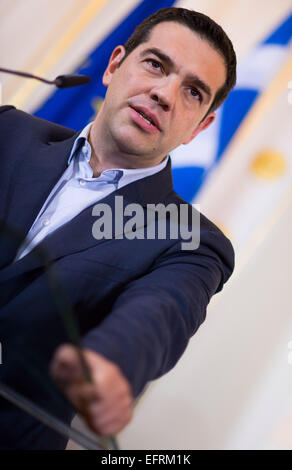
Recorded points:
(137, 301)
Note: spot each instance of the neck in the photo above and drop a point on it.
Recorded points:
(105, 154)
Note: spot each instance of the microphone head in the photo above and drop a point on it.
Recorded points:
(67, 81)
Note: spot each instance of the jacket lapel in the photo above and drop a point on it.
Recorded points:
(31, 185)
(76, 235)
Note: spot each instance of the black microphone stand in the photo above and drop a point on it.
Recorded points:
(62, 81)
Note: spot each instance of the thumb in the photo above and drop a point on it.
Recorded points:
(66, 367)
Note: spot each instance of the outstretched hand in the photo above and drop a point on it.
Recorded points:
(106, 403)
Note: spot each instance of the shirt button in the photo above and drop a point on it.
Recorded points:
(46, 222)
(82, 182)
(84, 149)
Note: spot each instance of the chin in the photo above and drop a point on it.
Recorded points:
(128, 141)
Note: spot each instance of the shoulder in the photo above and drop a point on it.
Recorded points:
(16, 124)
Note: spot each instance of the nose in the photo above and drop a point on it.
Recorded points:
(165, 93)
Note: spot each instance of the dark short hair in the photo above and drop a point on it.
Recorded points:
(202, 25)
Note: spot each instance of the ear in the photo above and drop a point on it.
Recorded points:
(116, 57)
(202, 126)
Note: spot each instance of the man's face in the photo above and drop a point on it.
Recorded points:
(160, 93)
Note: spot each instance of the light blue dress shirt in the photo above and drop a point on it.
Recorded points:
(77, 189)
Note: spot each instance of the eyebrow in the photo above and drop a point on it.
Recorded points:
(192, 78)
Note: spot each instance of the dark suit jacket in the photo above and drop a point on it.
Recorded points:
(137, 302)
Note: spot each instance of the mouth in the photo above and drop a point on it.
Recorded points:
(145, 116)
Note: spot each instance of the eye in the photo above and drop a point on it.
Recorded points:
(154, 64)
(196, 94)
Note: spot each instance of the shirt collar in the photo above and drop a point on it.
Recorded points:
(125, 175)
(79, 141)
(130, 175)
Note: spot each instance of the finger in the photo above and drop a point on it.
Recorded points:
(100, 415)
(82, 395)
(66, 366)
(109, 424)
(101, 406)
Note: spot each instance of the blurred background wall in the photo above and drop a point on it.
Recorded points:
(232, 389)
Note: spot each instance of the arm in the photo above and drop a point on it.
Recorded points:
(149, 327)
(153, 319)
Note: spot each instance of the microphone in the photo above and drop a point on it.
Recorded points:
(67, 81)
(62, 81)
